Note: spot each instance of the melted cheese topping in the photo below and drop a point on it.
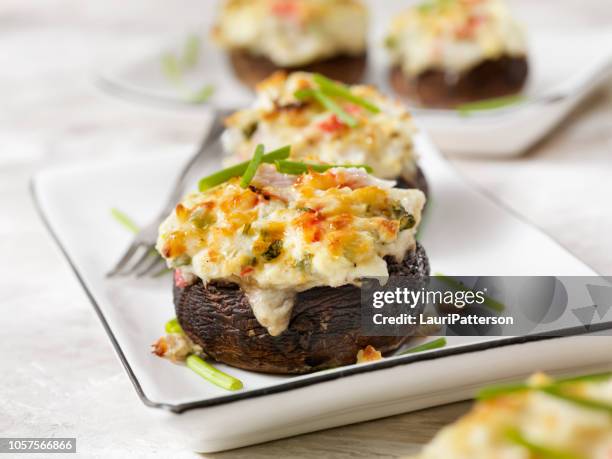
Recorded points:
(286, 234)
(543, 420)
(453, 35)
(293, 32)
(381, 140)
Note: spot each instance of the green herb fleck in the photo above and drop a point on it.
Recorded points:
(125, 221)
(435, 344)
(490, 104)
(202, 95)
(173, 326)
(274, 250)
(171, 67)
(251, 170)
(191, 52)
(542, 452)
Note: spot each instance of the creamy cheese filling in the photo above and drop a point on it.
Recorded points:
(381, 140)
(287, 234)
(453, 35)
(293, 32)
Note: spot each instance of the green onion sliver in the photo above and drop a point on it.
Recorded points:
(543, 452)
(299, 168)
(211, 374)
(435, 344)
(191, 51)
(202, 95)
(125, 221)
(173, 326)
(499, 391)
(239, 169)
(251, 170)
(490, 104)
(586, 378)
(332, 88)
(329, 104)
(583, 402)
(489, 302)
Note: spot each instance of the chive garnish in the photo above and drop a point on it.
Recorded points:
(173, 326)
(191, 51)
(212, 374)
(490, 302)
(251, 170)
(235, 171)
(203, 94)
(125, 221)
(543, 452)
(498, 391)
(555, 391)
(171, 67)
(490, 104)
(299, 168)
(328, 103)
(331, 88)
(435, 344)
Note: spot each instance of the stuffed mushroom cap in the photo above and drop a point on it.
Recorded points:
(381, 139)
(293, 33)
(527, 422)
(453, 36)
(283, 235)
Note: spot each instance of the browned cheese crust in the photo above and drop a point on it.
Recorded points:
(324, 331)
(252, 69)
(491, 78)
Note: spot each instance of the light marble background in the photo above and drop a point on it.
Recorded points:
(59, 375)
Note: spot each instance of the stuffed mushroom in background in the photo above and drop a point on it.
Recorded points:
(268, 270)
(326, 122)
(450, 52)
(324, 36)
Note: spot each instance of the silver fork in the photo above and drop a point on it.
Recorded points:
(142, 248)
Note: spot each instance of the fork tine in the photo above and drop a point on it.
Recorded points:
(148, 252)
(124, 260)
(155, 263)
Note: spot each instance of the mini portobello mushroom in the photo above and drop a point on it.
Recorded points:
(260, 37)
(488, 80)
(324, 330)
(251, 69)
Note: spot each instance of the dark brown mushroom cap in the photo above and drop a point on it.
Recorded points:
(489, 79)
(251, 69)
(419, 181)
(324, 331)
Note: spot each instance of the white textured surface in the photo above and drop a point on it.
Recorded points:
(59, 374)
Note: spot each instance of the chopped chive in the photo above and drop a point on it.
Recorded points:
(488, 301)
(583, 402)
(586, 378)
(211, 374)
(202, 95)
(488, 393)
(171, 67)
(328, 103)
(435, 344)
(542, 452)
(235, 171)
(490, 104)
(173, 326)
(299, 168)
(124, 220)
(251, 170)
(191, 51)
(332, 88)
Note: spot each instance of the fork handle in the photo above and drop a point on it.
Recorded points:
(216, 129)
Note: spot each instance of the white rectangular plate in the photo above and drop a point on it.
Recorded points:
(464, 233)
